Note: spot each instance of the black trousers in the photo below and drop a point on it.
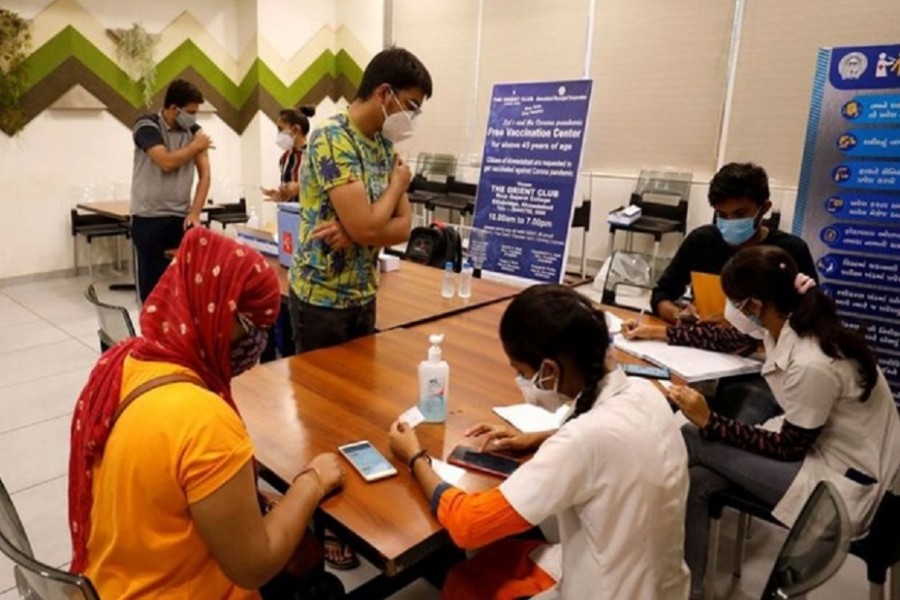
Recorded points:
(319, 327)
(151, 237)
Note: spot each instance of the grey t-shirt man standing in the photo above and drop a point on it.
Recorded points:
(168, 147)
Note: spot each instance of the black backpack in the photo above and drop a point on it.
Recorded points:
(435, 245)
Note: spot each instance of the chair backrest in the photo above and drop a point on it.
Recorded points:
(115, 322)
(629, 280)
(461, 188)
(35, 580)
(664, 195)
(420, 184)
(773, 220)
(239, 207)
(436, 167)
(815, 548)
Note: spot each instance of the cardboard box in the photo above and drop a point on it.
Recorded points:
(288, 227)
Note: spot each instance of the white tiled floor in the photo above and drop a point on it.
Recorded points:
(48, 345)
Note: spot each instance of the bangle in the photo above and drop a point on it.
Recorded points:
(420, 454)
(318, 475)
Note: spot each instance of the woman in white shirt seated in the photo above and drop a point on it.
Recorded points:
(614, 474)
(840, 423)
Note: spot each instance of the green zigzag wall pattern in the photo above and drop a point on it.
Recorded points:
(69, 58)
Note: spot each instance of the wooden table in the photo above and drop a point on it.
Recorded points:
(298, 407)
(311, 403)
(412, 294)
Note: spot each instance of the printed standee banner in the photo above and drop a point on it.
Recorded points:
(848, 202)
(532, 155)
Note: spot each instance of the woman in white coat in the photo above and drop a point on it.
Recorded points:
(614, 475)
(840, 423)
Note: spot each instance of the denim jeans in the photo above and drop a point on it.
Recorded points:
(715, 466)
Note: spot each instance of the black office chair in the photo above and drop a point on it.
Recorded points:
(880, 549)
(36, 580)
(95, 226)
(815, 548)
(229, 214)
(115, 322)
(460, 198)
(773, 221)
(433, 173)
(663, 199)
(421, 191)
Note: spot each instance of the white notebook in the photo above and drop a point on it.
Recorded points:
(528, 418)
(691, 364)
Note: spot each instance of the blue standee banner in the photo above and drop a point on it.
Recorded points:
(532, 154)
(848, 202)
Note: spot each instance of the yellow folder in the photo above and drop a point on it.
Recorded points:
(709, 299)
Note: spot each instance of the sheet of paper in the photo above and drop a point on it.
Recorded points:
(449, 473)
(412, 417)
(690, 364)
(614, 323)
(528, 418)
(709, 299)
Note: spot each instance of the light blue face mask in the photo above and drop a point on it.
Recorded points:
(736, 231)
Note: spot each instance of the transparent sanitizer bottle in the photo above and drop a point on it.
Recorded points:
(465, 280)
(434, 383)
(448, 285)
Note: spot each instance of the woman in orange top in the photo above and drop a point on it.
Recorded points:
(614, 475)
(162, 489)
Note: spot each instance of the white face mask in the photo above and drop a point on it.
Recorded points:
(747, 325)
(535, 395)
(398, 126)
(284, 140)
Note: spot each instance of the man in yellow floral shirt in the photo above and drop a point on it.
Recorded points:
(353, 202)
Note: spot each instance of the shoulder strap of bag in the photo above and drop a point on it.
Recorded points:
(150, 385)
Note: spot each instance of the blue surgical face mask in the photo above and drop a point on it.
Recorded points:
(736, 231)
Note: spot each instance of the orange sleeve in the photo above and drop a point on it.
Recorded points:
(476, 520)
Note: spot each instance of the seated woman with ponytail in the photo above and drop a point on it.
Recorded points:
(614, 475)
(839, 424)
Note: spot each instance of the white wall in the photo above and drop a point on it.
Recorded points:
(609, 191)
(64, 157)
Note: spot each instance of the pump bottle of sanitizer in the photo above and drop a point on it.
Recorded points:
(434, 383)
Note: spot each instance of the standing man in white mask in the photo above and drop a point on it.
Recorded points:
(353, 202)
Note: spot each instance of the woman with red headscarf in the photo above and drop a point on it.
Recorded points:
(162, 489)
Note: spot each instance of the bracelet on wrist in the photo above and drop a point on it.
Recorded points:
(420, 454)
(318, 475)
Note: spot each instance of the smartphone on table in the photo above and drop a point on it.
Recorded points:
(368, 462)
(651, 371)
(486, 462)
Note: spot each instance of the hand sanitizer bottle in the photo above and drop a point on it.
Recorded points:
(434, 383)
(448, 285)
(253, 219)
(465, 280)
